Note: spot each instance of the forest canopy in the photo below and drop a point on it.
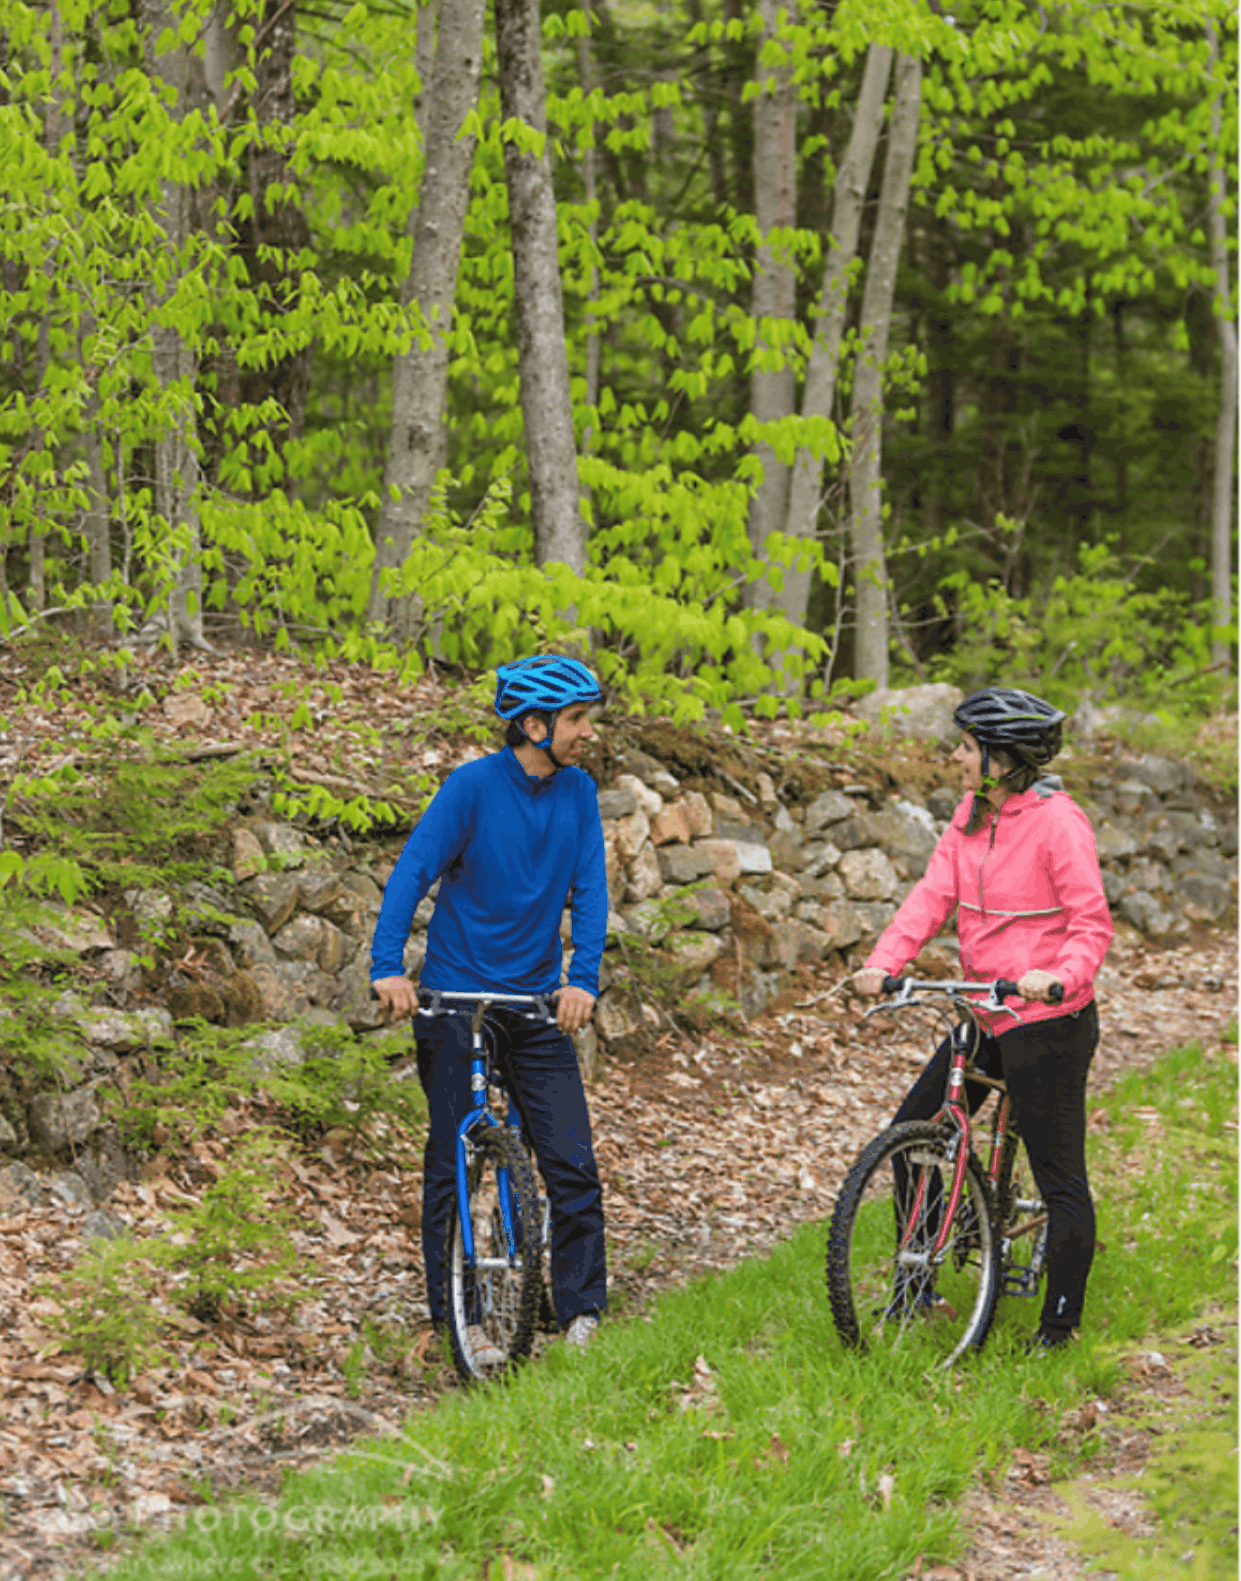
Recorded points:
(765, 349)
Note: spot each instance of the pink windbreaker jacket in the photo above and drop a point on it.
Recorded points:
(1029, 894)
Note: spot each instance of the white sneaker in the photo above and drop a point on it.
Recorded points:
(581, 1331)
(484, 1352)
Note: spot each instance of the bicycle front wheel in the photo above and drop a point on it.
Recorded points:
(492, 1302)
(886, 1280)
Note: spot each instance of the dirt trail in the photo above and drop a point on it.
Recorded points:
(786, 1106)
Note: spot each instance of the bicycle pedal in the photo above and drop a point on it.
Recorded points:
(1019, 1285)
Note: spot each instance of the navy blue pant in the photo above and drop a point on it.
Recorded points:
(1045, 1066)
(539, 1065)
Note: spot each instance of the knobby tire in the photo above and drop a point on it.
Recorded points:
(880, 1293)
(501, 1304)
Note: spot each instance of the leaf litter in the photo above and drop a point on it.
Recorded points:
(711, 1149)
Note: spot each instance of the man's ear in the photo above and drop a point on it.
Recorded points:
(534, 727)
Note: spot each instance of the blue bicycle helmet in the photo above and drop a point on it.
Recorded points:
(543, 685)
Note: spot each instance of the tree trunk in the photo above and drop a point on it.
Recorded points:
(867, 410)
(1226, 427)
(175, 365)
(590, 186)
(97, 524)
(55, 126)
(542, 358)
(277, 231)
(420, 375)
(849, 194)
(773, 386)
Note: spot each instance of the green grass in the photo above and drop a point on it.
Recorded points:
(797, 1459)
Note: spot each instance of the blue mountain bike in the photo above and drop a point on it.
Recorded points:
(499, 1223)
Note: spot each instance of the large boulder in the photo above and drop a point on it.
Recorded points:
(616, 1015)
(683, 864)
(1142, 909)
(771, 901)
(692, 953)
(643, 876)
(943, 802)
(250, 945)
(709, 907)
(275, 1051)
(922, 711)
(1205, 897)
(273, 897)
(618, 802)
(1113, 841)
(59, 1120)
(632, 834)
(80, 932)
(19, 1189)
(874, 916)
(828, 809)
(838, 924)
(123, 1031)
(318, 888)
(1165, 776)
(787, 849)
(907, 831)
(672, 824)
(868, 875)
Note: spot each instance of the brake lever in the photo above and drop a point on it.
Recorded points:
(904, 998)
(993, 1006)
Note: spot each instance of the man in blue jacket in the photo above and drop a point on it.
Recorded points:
(510, 837)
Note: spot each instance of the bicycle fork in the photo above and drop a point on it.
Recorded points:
(957, 1154)
(478, 1115)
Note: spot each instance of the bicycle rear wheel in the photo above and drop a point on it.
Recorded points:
(886, 1283)
(492, 1304)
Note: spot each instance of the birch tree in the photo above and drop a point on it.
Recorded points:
(420, 375)
(823, 364)
(543, 362)
(774, 294)
(866, 519)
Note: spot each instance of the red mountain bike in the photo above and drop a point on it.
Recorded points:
(924, 1239)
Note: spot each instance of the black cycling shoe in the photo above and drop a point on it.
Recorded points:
(1047, 1339)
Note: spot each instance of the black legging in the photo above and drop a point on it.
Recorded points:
(1044, 1065)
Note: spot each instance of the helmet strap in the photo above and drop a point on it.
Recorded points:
(546, 744)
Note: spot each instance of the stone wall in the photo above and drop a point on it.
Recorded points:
(712, 893)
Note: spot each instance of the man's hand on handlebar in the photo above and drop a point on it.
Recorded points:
(1039, 985)
(869, 981)
(396, 994)
(573, 1007)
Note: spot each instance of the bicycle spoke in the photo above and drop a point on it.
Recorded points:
(888, 1282)
(492, 1303)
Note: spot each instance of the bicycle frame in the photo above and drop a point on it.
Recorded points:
(964, 1040)
(480, 1115)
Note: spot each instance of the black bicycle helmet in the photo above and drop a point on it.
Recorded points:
(1016, 722)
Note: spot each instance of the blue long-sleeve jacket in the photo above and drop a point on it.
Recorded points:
(507, 847)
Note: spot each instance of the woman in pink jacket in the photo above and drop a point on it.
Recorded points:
(1018, 864)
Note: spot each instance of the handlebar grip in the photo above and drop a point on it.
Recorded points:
(1004, 989)
(893, 985)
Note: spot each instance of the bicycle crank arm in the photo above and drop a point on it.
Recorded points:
(1027, 1228)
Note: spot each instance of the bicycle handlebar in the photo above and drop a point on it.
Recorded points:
(1002, 989)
